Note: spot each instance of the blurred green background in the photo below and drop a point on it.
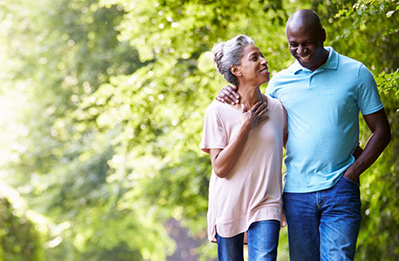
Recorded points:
(101, 112)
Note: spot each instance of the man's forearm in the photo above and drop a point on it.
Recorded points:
(373, 149)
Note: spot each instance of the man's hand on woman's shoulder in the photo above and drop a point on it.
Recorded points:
(228, 94)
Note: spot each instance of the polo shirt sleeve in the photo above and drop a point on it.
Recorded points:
(271, 90)
(214, 134)
(369, 100)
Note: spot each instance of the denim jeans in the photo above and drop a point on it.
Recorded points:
(262, 243)
(324, 225)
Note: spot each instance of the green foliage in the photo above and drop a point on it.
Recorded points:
(388, 82)
(111, 96)
(61, 162)
(19, 239)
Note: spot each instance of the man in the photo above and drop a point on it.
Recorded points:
(323, 93)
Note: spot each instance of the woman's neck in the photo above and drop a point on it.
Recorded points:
(250, 95)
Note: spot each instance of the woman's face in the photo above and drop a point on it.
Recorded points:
(253, 68)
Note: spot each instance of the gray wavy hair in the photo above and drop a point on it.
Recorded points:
(229, 53)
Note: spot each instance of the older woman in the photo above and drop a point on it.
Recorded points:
(245, 143)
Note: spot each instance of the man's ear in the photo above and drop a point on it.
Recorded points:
(235, 70)
(323, 35)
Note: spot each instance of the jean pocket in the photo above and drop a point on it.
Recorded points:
(351, 181)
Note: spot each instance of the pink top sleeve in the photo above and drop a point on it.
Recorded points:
(214, 134)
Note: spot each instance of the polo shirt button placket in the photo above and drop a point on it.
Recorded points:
(311, 78)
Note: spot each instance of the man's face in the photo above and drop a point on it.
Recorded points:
(306, 45)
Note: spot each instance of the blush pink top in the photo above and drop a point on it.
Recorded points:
(252, 191)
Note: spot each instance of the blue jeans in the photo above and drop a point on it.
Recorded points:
(262, 243)
(324, 225)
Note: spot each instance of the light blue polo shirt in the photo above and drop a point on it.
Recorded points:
(323, 118)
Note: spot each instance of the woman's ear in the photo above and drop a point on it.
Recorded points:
(235, 70)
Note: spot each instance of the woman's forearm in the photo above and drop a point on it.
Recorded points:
(224, 160)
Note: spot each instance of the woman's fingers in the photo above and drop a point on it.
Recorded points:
(256, 107)
(260, 111)
(263, 117)
(257, 114)
(259, 108)
(264, 111)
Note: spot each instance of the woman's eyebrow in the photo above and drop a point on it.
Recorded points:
(254, 53)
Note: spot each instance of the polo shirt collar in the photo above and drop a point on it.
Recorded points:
(331, 63)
